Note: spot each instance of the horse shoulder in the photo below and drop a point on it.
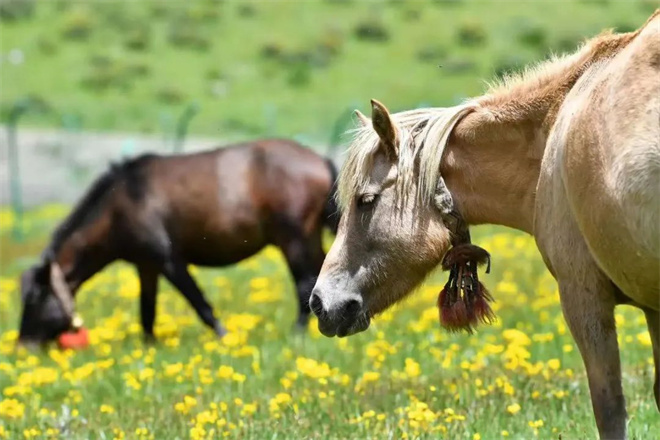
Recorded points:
(610, 166)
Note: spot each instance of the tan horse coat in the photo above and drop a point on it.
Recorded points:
(569, 152)
(597, 217)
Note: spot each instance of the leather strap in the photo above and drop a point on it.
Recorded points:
(61, 289)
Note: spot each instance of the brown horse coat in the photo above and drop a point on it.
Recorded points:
(162, 213)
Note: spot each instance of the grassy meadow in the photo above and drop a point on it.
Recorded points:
(520, 378)
(286, 68)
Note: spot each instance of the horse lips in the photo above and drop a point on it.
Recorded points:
(463, 302)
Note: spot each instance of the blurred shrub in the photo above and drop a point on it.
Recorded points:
(300, 74)
(78, 24)
(431, 53)
(46, 45)
(170, 95)
(412, 13)
(214, 74)
(159, 9)
(110, 72)
(204, 12)
(508, 65)
(138, 69)
(456, 65)
(471, 34)
(13, 10)
(104, 73)
(187, 33)
(444, 3)
(138, 37)
(331, 41)
(319, 55)
(371, 29)
(247, 10)
(272, 51)
(532, 35)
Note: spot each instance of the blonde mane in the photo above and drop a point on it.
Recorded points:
(422, 136)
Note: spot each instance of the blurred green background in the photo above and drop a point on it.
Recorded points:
(285, 68)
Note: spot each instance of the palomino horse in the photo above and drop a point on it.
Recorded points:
(161, 213)
(568, 151)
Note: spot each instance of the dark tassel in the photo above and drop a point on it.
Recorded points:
(463, 302)
(453, 315)
(464, 253)
(481, 309)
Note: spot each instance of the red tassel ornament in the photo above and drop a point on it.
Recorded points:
(463, 302)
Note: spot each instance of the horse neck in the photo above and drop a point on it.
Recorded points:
(86, 251)
(493, 158)
(491, 168)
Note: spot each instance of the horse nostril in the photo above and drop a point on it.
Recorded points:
(316, 304)
(352, 308)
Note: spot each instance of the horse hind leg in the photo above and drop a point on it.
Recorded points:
(653, 323)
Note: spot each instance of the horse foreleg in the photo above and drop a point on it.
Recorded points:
(148, 290)
(653, 323)
(177, 274)
(589, 314)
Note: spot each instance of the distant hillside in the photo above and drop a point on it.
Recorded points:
(277, 68)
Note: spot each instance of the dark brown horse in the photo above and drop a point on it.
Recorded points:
(163, 212)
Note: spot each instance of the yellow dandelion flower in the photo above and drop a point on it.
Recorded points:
(11, 409)
(535, 423)
(106, 409)
(513, 409)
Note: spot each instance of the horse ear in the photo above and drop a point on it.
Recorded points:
(384, 127)
(364, 121)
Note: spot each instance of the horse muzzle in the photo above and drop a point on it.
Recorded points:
(339, 315)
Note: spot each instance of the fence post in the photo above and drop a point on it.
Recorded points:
(182, 125)
(19, 108)
(165, 120)
(270, 119)
(14, 177)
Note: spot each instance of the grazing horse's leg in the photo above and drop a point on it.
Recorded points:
(304, 257)
(589, 313)
(653, 323)
(148, 291)
(177, 274)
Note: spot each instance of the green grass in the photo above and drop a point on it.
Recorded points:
(256, 95)
(420, 382)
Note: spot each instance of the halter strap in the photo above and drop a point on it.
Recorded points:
(61, 289)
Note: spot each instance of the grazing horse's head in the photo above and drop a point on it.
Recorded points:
(391, 233)
(47, 304)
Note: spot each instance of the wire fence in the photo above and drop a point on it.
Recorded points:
(55, 165)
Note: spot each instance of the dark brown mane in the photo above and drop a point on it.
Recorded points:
(129, 171)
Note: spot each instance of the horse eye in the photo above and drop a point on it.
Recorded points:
(366, 199)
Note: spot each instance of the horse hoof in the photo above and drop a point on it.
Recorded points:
(220, 331)
(300, 328)
(149, 339)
